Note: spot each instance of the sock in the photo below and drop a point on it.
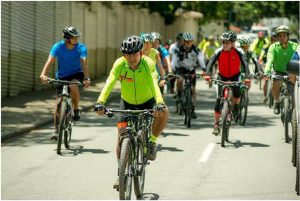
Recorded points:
(152, 138)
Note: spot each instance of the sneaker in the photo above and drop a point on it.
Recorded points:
(116, 184)
(276, 108)
(76, 115)
(216, 130)
(265, 100)
(151, 151)
(194, 115)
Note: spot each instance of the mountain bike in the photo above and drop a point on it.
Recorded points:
(133, 150)
(185, 103)
(226, 111)
(64, 112)
(269, 92)
(243, 109)
(285, 104)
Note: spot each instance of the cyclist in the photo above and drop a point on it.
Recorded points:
(163, 53)
(279, 54)
(225, 55)
(263, 59)
(139, 88)
(173, 47)
(260, 43)
(202, 43)
(71, 57)
(153, 54)
(209, 48)
(185, 62)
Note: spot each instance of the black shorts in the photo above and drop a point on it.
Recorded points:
(127, 106)
(76, 76)
(182, 71)
(236, 91)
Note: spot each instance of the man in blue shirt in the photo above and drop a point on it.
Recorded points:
(71, 57)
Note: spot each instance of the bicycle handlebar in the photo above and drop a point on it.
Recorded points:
(63, 82)
(112, 112)
(228, 83)
(280, 77)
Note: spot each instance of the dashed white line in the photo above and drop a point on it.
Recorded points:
(205, 155)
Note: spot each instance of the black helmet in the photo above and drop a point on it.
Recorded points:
(131, 44)
(229, 35)
(188, 36)
(179, 36)
(70, 31)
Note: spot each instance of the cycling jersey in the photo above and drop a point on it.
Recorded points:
(209, 49)
(68, 59)
(258, 45)
(152, 54)
(172, 49)
(279, 56)
(137, 86)
(163, 53)
(251, 55)
(187, 59)
(229, 62)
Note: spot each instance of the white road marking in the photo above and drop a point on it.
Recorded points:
(209, 148)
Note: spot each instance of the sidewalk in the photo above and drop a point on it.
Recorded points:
(31, 110)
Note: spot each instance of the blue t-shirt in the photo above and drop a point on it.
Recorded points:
(68, 60)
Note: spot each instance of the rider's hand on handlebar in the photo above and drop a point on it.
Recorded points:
(162, 82)
(100, 108)
(44, 79)
(248, 82)
(207, 78)
(161, 107)
(86, 83)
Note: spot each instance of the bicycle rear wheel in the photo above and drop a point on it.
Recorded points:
(61, 130)
(294, 136)
(224, 123)
(125, 169)
(244, 107)
(188, 111)
(139, 178)
(286, 119)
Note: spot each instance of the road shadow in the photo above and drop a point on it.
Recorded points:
(164, 148)
(75, 150)
(239, 144)
(149, 196)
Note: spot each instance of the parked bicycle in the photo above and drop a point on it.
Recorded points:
(64, 112)
(226, 111)
(133, 150)
(285, 104)
(185, 103)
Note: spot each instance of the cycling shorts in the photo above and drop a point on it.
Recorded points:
(182, 71)
(77, 76)
(127, 106)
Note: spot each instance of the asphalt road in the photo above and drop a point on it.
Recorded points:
(190, 163)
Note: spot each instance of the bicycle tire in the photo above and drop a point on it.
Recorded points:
(294, 136)
(139, 179)
(286, 119)
(62, 117)
(225, 111)
(244, 107)
(269, 93)
(188, 112)
(124, 169)
(67, 137)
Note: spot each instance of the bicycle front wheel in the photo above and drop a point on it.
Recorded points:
(244, 107)
(61, 128)
(224, 123)
(139, 178)
(188, 111)
(125, 170)
(67, 137)
(286, 119)
(294, 136)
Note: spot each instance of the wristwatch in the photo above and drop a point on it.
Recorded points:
(88, 79)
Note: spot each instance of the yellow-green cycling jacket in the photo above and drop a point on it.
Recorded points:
(137, 86)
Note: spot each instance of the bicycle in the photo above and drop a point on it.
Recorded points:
(243, 109)
(185, 103)
(133, 150)
(226, 111)
(64, 112)
(285, 104)
(269, 92)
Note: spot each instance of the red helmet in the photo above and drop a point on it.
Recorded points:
(261, 34)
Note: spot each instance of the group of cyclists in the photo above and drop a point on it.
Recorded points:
(146, 64)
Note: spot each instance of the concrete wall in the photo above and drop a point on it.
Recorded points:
(29, 29)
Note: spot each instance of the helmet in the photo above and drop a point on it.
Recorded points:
(70, 31)
(211, 37)
(229, 35)
(244, 40)
(131, 45)
(179, 36)
(260, 34)
(188, 36)
(147, 37)
(156, 35)
(283, 29)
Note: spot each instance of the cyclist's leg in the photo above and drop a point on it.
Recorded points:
(194, 97)
(217, 112)
(276, 95)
